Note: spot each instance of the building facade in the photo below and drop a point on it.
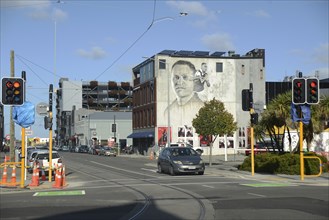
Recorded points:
(93, 97)
(171, 87)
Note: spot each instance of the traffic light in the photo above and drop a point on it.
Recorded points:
(254, 118)
(298, 91)
(247, 102)
(48, 122)
(13, 91)
(312, 91)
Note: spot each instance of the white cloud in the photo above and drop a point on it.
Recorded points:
(35, 4)
(194, 8)
(321, 54)
(59, 15)
(259, 13)
(95, 53)
(191, 7)
(218, 42)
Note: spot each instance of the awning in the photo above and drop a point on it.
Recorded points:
(143, 134)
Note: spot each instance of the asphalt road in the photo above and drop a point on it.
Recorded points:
(129, 187)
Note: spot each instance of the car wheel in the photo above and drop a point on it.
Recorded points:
(201, 172)
(171, 171)
(160, 169)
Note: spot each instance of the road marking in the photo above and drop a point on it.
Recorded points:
(209, 186)
(152, 170)
(254, 194)
(61, 193)
(266, 184)
(124, 170)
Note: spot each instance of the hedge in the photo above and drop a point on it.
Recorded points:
(284, 164)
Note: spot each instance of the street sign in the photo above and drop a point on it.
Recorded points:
(42, 108)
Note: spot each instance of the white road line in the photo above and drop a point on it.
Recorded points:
(152, 170)
(209, 186)
(127, 171)
(258, 195)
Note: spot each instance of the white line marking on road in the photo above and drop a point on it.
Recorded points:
(127, 171)
(258, 195)
(152, 170)
(209, 186)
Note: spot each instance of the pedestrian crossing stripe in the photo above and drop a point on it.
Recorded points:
(267, 184)
(61, 193)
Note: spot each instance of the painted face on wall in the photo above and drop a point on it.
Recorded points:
(182, 77)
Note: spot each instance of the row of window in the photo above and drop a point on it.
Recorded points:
(144, 118)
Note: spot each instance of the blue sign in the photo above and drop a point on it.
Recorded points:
(305, 113)
(24, 115)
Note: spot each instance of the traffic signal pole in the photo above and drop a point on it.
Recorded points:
(50, 131)
(301, 152)
(251, 107)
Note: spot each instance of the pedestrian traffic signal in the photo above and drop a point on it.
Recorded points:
(312, 91)
(48, 122)
(298, 91)
(13, 91)
(247, 101)
(254, 118)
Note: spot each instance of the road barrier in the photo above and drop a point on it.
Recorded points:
(6, 165)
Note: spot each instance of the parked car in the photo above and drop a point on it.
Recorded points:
(128, 150)
(81, 149)
(31, 154)
(108, 151)
(95, 150)
(259, 148)
(42, 158)
(180, 160)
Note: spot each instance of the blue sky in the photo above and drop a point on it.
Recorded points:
(103, 40)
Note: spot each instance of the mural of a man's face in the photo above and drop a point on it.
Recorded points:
(183, 80)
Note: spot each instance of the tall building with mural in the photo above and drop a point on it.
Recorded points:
(171, 86)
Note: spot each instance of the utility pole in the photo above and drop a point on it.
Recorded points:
(12, 125)
(50, 130)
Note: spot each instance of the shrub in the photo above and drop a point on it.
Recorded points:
(285, 164)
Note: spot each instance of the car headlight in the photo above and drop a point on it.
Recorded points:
(201, 162)
(178, 162)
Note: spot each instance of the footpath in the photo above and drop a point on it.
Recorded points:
(227, 167)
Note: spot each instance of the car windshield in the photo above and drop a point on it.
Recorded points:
(183, 151)
(106, 148)
(45, 156)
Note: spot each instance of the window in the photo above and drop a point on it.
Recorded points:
(243, 69)
(162, 64)
(219, 67)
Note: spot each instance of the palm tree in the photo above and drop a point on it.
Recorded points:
(278, 114)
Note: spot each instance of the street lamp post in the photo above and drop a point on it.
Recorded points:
(89, 134)
(168, 107)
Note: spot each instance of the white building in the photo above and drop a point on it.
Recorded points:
(157, 93)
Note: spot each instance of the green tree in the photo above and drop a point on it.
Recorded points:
(278, 114)
(212, 119)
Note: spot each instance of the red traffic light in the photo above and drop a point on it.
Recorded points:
(298, 91)
(13, 91)
(312, 91)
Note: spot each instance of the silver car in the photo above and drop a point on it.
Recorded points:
(180, 160)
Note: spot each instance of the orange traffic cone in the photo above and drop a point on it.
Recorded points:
(43, 175)
(58, 179)
(63, 176)
(13, 175)
(35, 176)
(4, 175)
